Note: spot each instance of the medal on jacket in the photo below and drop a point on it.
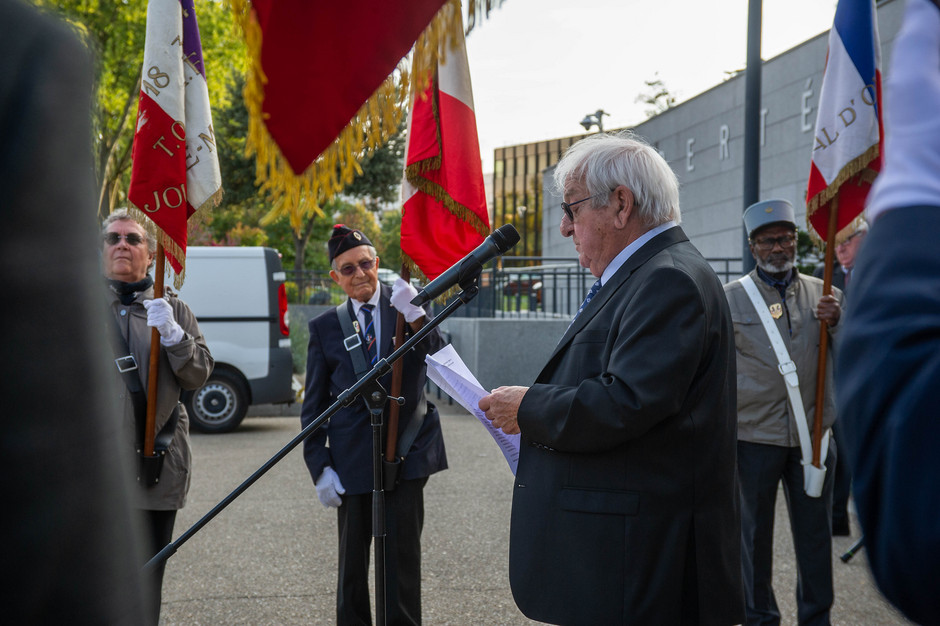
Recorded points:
(356, 324)
(776, 310)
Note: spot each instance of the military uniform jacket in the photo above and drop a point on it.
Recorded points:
(764, 414)
(349, 432)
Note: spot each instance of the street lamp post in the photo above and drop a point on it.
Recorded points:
(594, 119)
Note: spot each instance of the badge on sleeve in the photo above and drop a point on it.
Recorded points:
(776, 310)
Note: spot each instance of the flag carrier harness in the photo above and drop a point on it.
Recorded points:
(375, 397)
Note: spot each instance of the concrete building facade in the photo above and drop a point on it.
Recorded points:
(703, 141)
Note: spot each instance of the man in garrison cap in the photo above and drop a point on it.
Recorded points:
(776, 312)
(345, 343)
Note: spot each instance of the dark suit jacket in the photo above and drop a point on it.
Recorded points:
(838, 276)
(887, 376)
(330, 372)
(625, 508)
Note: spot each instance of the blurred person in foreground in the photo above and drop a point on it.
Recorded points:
(771, 447)
(128, 254)
(625, 506)
(345, 343)
(888, 368)
(69, 552)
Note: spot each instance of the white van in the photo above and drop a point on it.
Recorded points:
(237, 295)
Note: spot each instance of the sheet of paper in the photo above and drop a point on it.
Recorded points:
(449, 372)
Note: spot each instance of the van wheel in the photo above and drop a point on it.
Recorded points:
(220, 405)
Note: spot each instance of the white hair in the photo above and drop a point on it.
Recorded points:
(603, 162)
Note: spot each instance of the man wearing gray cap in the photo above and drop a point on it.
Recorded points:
(776, 313)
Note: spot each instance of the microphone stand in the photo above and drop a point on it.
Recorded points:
(375, 398)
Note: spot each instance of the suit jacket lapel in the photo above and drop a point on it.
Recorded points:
(652, 247)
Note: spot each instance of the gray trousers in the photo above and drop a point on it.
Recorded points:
(761, 468)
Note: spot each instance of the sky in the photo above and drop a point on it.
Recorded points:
(539, 66)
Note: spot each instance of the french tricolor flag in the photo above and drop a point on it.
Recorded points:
(444, 215)
(848, 142)
(175, 168)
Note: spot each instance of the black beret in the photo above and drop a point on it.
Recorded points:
(345, 238)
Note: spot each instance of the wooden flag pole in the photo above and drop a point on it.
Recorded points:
(391, 440)
(824, 333)
(150, 425)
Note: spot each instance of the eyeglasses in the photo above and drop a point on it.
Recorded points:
(365, 266)
(566, 206)
(132, 239)
(767, 243)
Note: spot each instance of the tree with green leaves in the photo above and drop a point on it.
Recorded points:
(115, 32)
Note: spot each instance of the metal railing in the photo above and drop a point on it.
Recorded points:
(531, 287)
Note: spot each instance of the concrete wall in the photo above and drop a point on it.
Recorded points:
(504, 351)
(497, 351)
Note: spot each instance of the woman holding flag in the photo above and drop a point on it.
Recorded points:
(128, 253)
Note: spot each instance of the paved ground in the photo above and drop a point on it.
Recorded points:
(270, 557)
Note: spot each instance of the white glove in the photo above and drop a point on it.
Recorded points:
(402, 295)
(160, 316)
(911, 172)
(329, 489)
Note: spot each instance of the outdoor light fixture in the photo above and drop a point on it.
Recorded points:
(594, 119)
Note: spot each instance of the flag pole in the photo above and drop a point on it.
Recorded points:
(391, 441)
(149, 428)
(824, 333)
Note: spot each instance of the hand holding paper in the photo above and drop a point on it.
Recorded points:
(502, 408)
(448, 371)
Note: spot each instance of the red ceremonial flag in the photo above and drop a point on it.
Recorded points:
(849, 136)
(444, 214)
(175, 168)
(323, 59)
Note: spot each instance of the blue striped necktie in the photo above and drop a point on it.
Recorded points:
(590, 296)
(369, 333)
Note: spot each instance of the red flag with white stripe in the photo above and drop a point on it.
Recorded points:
(175, 168)
(444, 214)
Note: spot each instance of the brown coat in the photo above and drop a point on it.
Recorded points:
(186, 365)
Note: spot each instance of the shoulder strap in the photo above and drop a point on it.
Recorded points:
(127, 366)
(353, 340)
(787, 369)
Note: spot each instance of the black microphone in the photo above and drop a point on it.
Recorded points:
(469, 267)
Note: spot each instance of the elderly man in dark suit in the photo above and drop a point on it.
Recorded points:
(842, 272)
(342, 471)
(625, 507)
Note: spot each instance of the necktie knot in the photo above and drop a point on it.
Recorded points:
(590, 296)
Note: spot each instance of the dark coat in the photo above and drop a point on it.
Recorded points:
(887, 376)
(330, 372)
(838, 276)
(625, 508)
(69, 550)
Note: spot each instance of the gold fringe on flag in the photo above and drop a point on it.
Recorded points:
(856, 168)
(298, 197)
